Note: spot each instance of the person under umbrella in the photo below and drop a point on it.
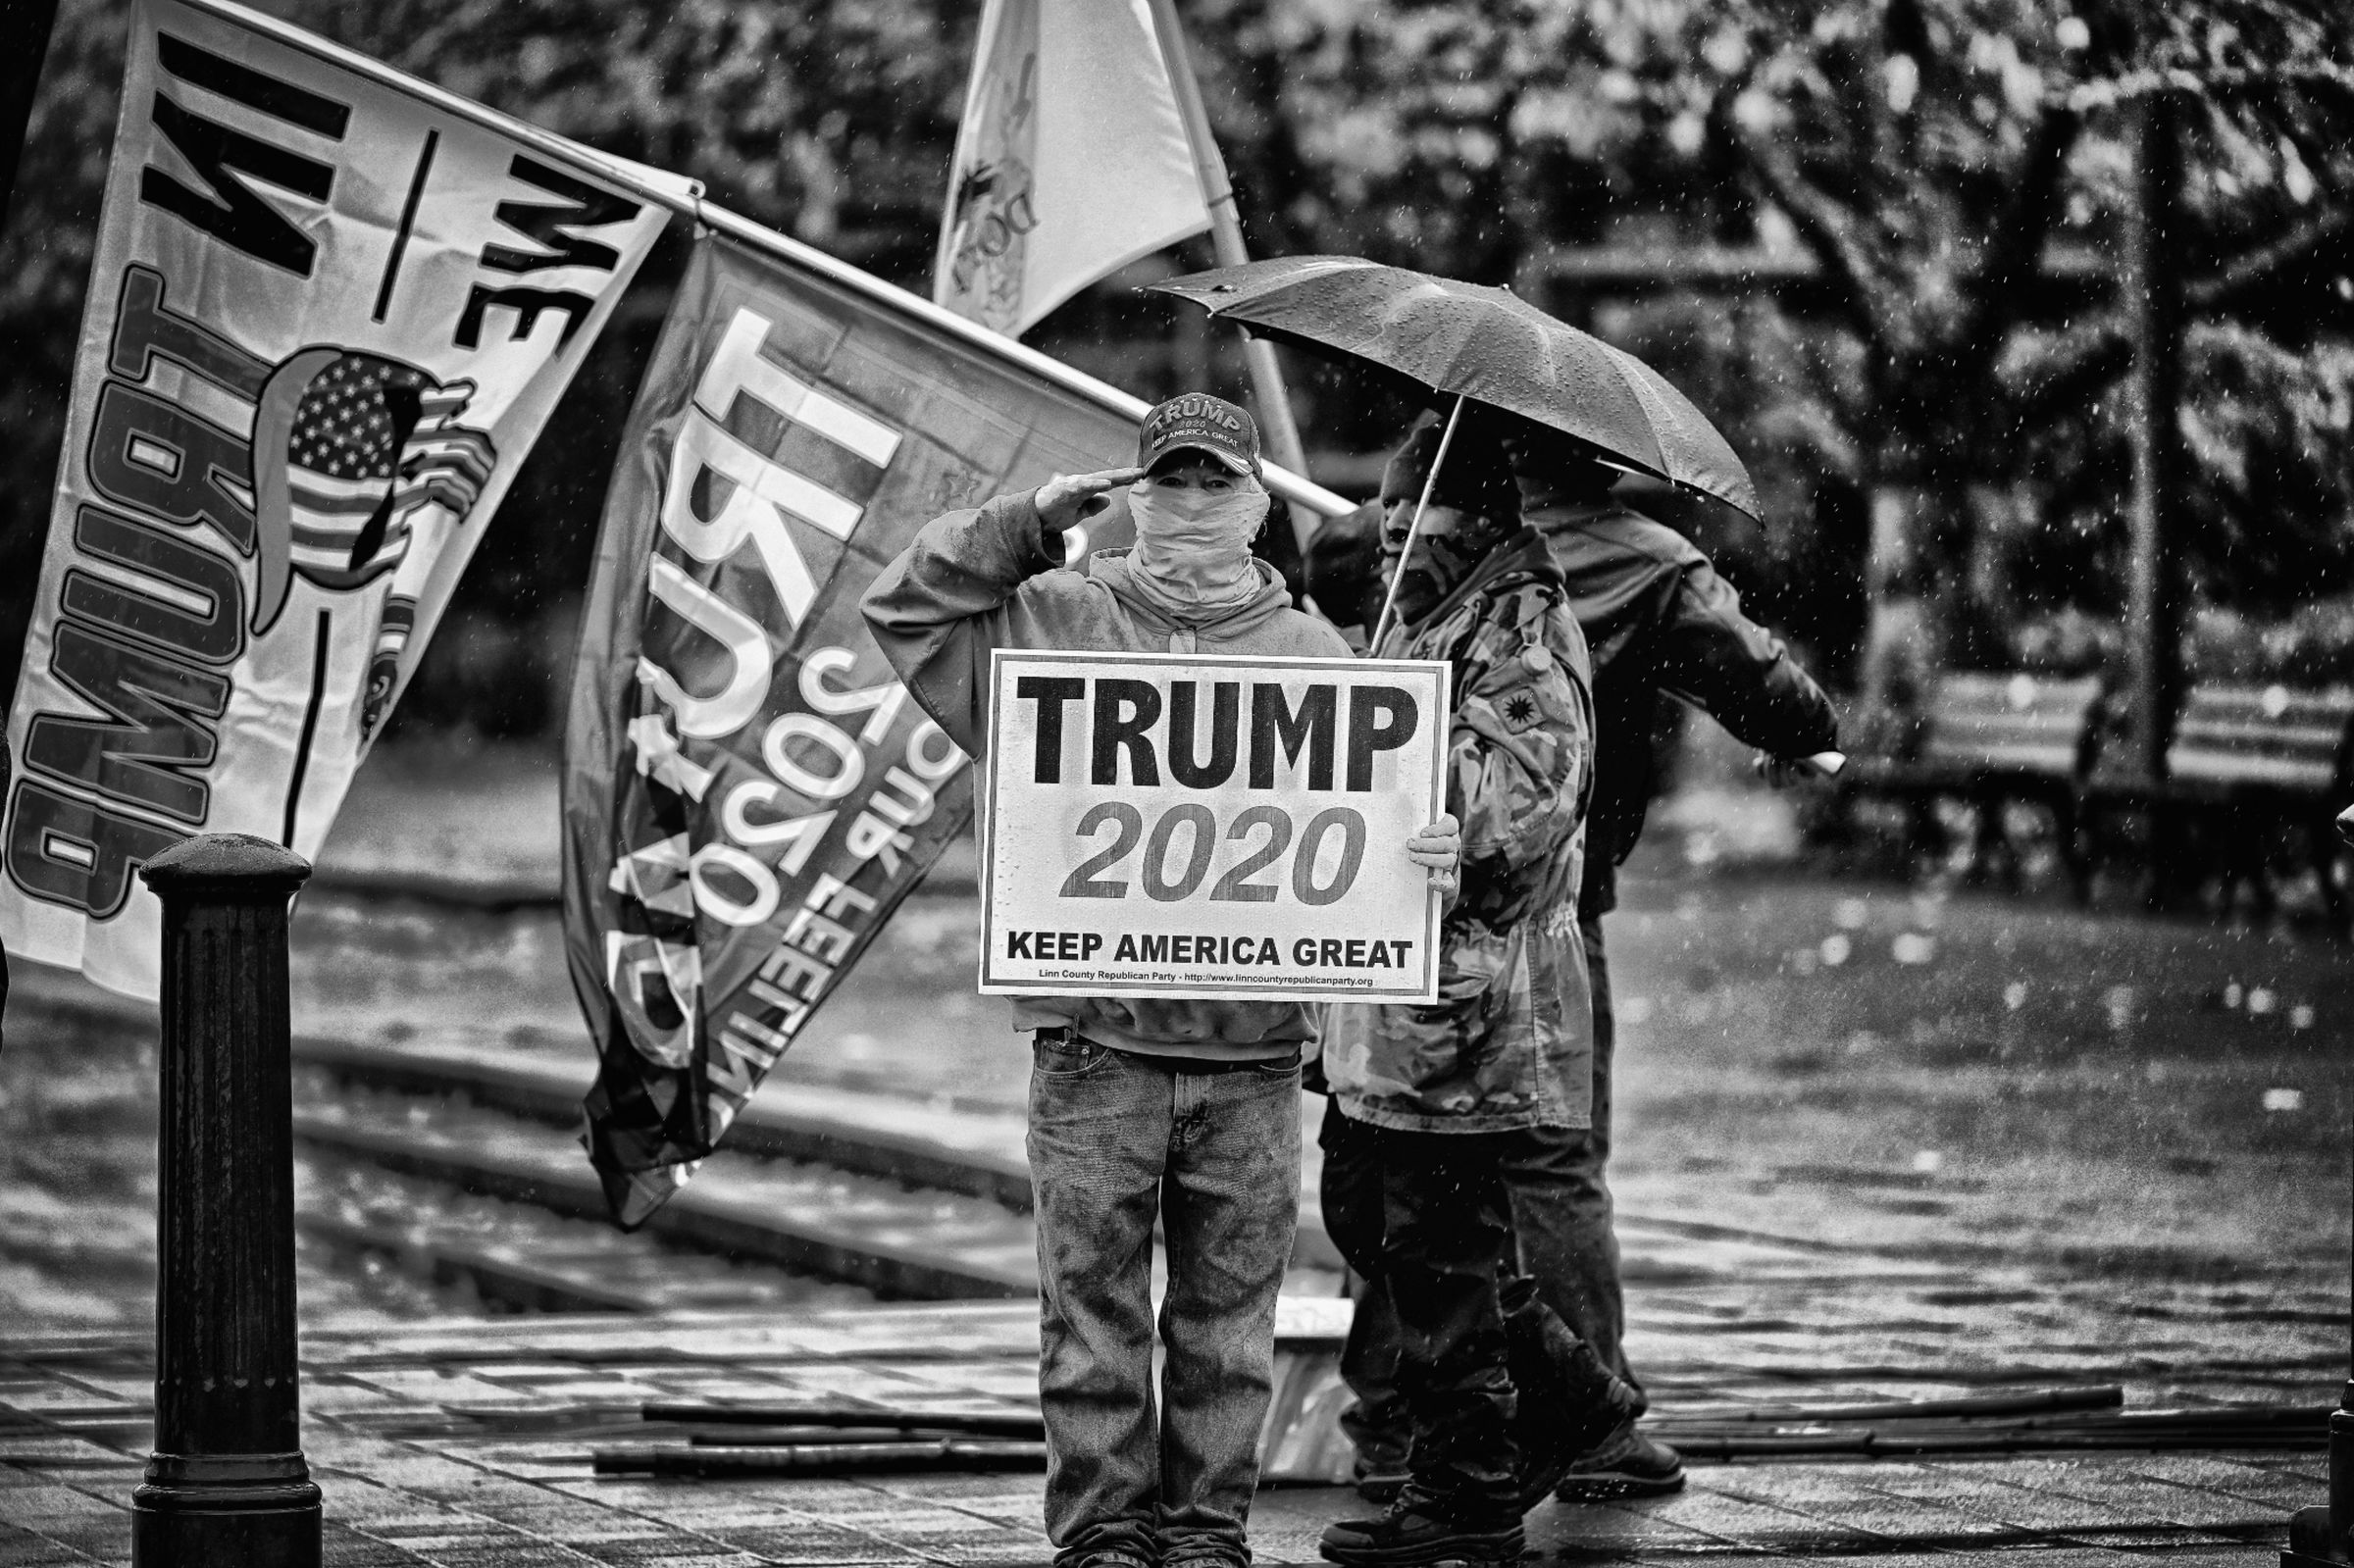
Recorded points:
(1656, 617)
(1429, 1104)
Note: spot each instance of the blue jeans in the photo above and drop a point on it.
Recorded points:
(1115, 1141)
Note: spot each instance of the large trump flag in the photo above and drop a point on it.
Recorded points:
(748, 790)
(329, 311)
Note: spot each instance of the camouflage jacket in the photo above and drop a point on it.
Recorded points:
(1510, 1042)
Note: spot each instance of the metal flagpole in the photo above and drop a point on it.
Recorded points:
(1226, 234)
(1430, 482)
(2323, 1536)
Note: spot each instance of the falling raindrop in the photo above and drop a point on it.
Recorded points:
(1835, 949)
(2283, 1099)
(2014, 996)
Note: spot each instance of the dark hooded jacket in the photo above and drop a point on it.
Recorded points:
(1658, 618)
(1655, 614)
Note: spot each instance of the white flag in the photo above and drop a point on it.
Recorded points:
(1071, 161)
(327, 320)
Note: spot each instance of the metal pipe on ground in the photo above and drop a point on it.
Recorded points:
(756, 1440)
(822, 1459)
(798, 1437)
(712, 1456)
(1898, 1436)
(227, 1485)
(995, 1424)
(2094, 1397)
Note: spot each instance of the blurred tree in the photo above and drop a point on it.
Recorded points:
(45, 263)
(1927, 154)
(24, 37)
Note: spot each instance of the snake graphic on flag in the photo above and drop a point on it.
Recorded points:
(354, 455)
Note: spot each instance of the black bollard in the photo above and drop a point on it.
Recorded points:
(226, 1483)
(2322, 1537)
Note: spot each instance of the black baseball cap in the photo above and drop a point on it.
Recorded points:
(1198, 422)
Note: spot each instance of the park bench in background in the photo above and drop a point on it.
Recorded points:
(2252, 766)
(1992, 739)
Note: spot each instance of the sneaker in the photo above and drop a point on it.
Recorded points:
(1404, 1537)
(1626, 1465)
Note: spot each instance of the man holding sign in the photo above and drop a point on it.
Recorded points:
(1174, 1094)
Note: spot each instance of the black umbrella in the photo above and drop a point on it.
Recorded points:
(1485, 344)
(1481, 345)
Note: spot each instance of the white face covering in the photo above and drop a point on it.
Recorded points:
(1194, 545)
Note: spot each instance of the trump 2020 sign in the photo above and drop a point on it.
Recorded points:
(1166, 825)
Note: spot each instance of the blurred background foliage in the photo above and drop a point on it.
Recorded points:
(1938, 186)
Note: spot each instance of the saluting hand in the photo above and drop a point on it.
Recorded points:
(1067, 498)
(1439, 851)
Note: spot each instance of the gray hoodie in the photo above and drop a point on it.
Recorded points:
(993, 579)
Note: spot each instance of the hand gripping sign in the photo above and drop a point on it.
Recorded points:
(1166, 825)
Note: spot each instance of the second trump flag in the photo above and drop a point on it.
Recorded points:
(749, 792)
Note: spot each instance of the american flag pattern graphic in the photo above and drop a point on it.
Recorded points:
(349, 499)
